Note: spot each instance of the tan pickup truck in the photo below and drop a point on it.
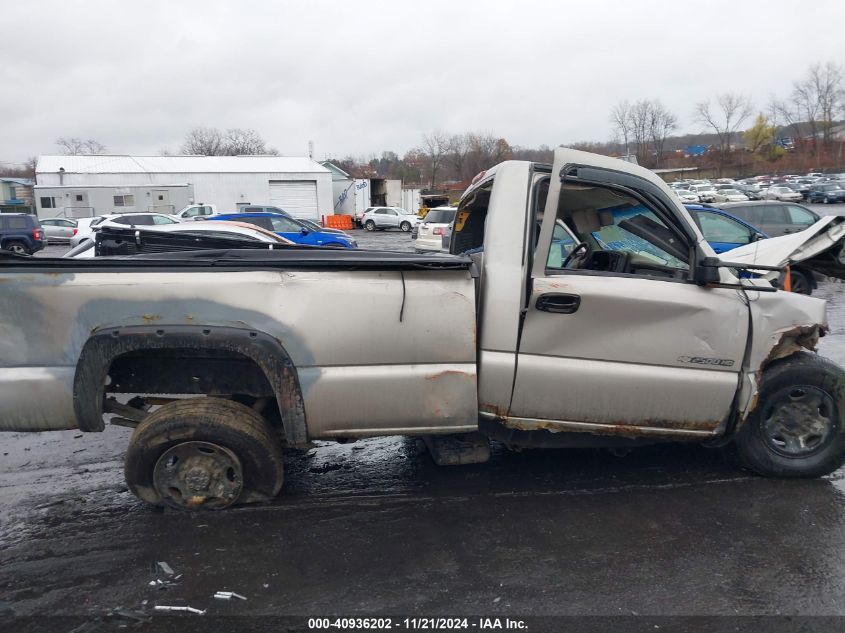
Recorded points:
(584, 309)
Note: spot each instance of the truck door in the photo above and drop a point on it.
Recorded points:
(616, 334)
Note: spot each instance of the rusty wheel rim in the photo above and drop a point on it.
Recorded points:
(800, 421)
(198, 475)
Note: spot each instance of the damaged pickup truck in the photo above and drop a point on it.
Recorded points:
(581, 307)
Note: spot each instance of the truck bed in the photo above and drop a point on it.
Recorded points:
(375, 342)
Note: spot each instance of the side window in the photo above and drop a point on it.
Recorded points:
(797, 215)
(160, 219)
(752, 215)
(620, 235)
(470, 220)
(17, 223)
(252, 210)
(282, 225)
(774, 214)
(264, 223)
(718, 228)
(561, 248)
(192, 212)
(381, 211)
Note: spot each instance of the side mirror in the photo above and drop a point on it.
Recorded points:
(707, 271)
(303, 231)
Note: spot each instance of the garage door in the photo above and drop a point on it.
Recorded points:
(297, 197)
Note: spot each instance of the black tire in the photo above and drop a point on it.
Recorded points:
(405, 227)
(17, 247)
(225, 423)
(370, 225)
(773, 442)
(801, 282)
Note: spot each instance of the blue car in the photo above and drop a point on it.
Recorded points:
(722, 230)
(290, 228)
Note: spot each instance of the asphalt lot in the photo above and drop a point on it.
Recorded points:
(374, 528)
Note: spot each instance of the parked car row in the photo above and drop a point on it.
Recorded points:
(812, 188)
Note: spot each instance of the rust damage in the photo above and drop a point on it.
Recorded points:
(650, 428)
(448, 373)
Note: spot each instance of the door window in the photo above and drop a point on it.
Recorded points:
(799, 215)
(619, 235)
(283, 225)
(264, 223)
(160, 219)
(718, 228)
(774, 214)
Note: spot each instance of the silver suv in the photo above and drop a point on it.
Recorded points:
(434, 233)
(382, 218)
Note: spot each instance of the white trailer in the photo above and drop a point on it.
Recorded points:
(71, 201)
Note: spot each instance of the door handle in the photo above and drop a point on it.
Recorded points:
(558, 303)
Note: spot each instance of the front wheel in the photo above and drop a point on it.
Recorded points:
(203, 453)
(405, 227)
(370, 225)
(800, 282)
(796, 429)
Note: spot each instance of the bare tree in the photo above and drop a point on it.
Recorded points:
(77, 147)
(725, 119)
(641, 118)
(661, 124)
(620, 117)
(204, 141)
(824, 83)
(435, 146)
(457, 155)
(239, 142)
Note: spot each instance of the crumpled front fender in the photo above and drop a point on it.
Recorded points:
(782, 323)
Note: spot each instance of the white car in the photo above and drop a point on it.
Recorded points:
(435, 231)
(194, 211)
(59, 230)
(86, 229)
(784, 194)
(382, 218)
(730, 195)
(243, 230)
(686, 195)
(705, 193)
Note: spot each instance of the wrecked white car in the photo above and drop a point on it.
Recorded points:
(816, 249)
(581, 307)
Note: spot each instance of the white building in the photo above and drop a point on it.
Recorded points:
(300, 186)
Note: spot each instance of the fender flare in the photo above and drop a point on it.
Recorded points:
(267, 352)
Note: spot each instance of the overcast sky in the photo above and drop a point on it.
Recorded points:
(361, 77)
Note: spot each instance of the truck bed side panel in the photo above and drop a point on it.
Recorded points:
(351, 323)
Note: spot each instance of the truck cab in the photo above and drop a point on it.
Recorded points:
(603, 312)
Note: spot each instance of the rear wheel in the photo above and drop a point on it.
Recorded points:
(370, 225)
(203, 453)
(17, 247)
(796, 429)
(405, 227)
